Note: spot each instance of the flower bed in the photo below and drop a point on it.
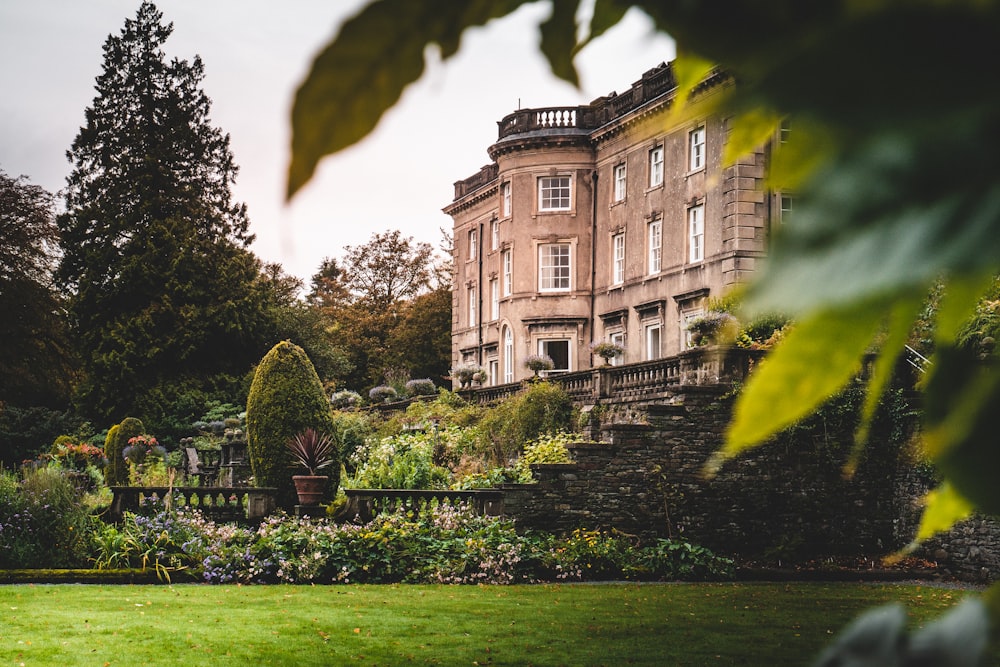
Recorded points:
(443, 545)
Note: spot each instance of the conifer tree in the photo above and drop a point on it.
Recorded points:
(167, 301)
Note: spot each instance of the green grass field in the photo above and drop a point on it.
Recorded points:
(581, 624)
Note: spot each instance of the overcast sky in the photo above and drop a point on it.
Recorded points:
(255, 53)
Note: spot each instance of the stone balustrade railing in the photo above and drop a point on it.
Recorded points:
(222, 503)
(365, 504)
(699, 366)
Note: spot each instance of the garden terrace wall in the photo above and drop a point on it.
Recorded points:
(780, 501)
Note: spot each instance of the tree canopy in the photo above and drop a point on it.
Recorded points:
(384, 310)
(36, 360)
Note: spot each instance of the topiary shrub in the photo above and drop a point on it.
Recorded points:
(420, 387)
(286, 397)
(383, 394)
(345, 398)
(116, 474)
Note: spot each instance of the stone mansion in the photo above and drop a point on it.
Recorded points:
(613, 221)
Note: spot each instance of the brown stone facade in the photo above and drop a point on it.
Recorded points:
(614, 221)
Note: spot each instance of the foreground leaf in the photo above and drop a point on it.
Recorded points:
(363, 72)
(943, 508)
(559, 39)
(962, 401)
(900, 322)
(816, 359)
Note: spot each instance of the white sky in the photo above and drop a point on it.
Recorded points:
(255, 53)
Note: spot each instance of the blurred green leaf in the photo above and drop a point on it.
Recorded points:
(852, 238)
(958, 303)
(962, 401)
(607, 14)
(900, 322)
(749, 131)
(363, 72)
(943, 508)
(814, 361)
(559, 39)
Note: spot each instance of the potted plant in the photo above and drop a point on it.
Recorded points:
(466, 374)
(606, 351)
(313, 451)
(539, 362)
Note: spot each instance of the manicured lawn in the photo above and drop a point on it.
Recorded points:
(599, 624)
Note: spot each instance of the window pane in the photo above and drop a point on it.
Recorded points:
(655, 246)
(558, 350)
(656, 166)
(618, 263)
(653, 342)
(554, 267)
(507, 273)
(508, 355)
(696, 229)
(697, 149)
(620, 182)
(553, 193)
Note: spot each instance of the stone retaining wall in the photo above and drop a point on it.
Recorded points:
(787, 501)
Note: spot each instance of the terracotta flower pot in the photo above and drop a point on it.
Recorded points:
(310, 488)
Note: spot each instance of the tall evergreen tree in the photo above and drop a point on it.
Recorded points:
(166, 299)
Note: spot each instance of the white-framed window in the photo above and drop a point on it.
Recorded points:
(508, 273)
(471, 293)
(785, 131)
(696, 149)
(656, 166)
(654, 244)
(696, 233)
(494, 234)
(494, 369)
(558, 351)
(505, 196)
(472, 243)
(787, 203)
(554, 193)
(620, 182)
(494, 299)
(554, 267)
(618, 259)
(617, 338)
(508, 355)
(687, 317)
(652, 336)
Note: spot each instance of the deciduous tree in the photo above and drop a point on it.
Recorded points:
(35, 359)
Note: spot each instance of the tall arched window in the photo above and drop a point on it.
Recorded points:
(508, 355)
